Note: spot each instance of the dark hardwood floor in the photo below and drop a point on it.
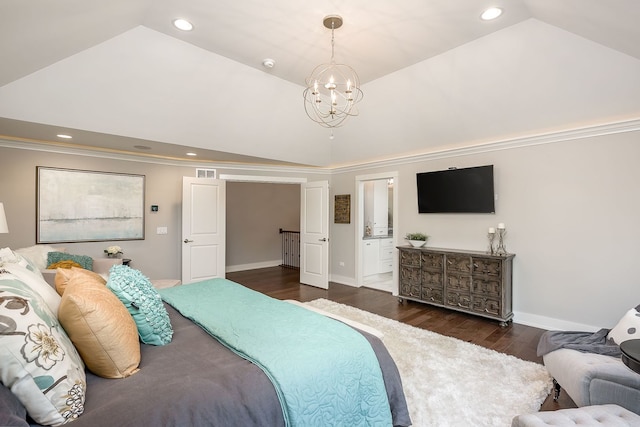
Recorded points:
(517, 340)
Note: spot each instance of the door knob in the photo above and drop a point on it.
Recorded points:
(324, 239)
(188, 241)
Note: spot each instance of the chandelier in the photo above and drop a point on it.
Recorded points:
(333, 90)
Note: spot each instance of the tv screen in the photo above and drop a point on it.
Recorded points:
(467, 190)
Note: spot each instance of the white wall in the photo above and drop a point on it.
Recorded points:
(571, 210)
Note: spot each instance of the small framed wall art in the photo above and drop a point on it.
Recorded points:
(342, 210)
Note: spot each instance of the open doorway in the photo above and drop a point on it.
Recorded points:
(376, 218)
(256, 211)
(313, 222)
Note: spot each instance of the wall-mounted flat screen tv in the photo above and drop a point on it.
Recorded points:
(466, 190)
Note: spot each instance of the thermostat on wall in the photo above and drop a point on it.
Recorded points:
(154, 208)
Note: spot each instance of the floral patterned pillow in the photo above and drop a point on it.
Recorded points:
(38, 362)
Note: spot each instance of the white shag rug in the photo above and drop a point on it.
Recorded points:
(450, 382)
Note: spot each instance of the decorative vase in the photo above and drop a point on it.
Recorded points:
(417, 243)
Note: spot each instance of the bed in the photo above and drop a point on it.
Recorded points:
(195, 379)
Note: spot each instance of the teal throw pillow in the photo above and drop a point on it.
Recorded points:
(143, 302)
(85, 261)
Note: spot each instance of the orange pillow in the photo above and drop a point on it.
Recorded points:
(101, 328)
(67, 263)
(73, 275)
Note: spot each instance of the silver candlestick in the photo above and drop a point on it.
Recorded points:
(501, 249)
(492, 237)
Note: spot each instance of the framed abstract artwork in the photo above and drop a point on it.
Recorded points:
(342, 210)
(88, 206)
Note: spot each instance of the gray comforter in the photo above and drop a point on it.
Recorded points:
(196, 381)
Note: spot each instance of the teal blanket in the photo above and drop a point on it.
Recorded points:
(323, 371)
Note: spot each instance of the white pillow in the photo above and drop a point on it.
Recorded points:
(628, 328)
(37, 254)
(7, 256)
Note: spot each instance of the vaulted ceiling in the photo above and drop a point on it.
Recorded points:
(118, 76)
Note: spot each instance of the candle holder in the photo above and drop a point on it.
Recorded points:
(501, 249)
(492, 238)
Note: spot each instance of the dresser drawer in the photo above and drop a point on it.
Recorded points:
(483, 305)
(458, 263)
(410, 258)
(432, 261)
(487, 287)
(487, 267)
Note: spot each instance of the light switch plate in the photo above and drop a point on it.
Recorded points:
(161, 230)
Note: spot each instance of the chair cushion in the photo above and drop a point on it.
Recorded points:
(597, 415)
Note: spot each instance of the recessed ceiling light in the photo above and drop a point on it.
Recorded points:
(62, 135)
(491, 13)
(183, 24)
(191, 154)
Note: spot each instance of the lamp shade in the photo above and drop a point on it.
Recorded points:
(3, 220)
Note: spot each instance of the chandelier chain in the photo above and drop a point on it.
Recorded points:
(332, 43)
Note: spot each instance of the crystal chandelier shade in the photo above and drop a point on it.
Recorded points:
(333, 89)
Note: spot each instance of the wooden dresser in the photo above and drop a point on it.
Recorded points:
(474, 282)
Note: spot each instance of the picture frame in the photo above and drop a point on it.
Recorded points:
(88, 206)
(342, 209)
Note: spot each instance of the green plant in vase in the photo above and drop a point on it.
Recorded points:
(416, 239)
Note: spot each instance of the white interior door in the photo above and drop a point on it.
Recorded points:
(203, 229)
(314, 234)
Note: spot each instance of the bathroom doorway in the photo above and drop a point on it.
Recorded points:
(376, 218)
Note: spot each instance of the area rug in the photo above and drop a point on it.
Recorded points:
(450, 382)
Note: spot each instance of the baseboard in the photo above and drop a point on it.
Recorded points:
(550, 323)
(252, 266)
(343, 280)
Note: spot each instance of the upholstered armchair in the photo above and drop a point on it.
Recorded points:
(590, 369)
(594, 379)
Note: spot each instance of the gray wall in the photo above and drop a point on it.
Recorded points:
(571, 209)
(157, 256)
(572, 215)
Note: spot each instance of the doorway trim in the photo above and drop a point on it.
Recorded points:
(262, 178)
(359, 226)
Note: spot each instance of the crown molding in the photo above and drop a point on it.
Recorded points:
(103, 153)
(504, 144)
(442, 153)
